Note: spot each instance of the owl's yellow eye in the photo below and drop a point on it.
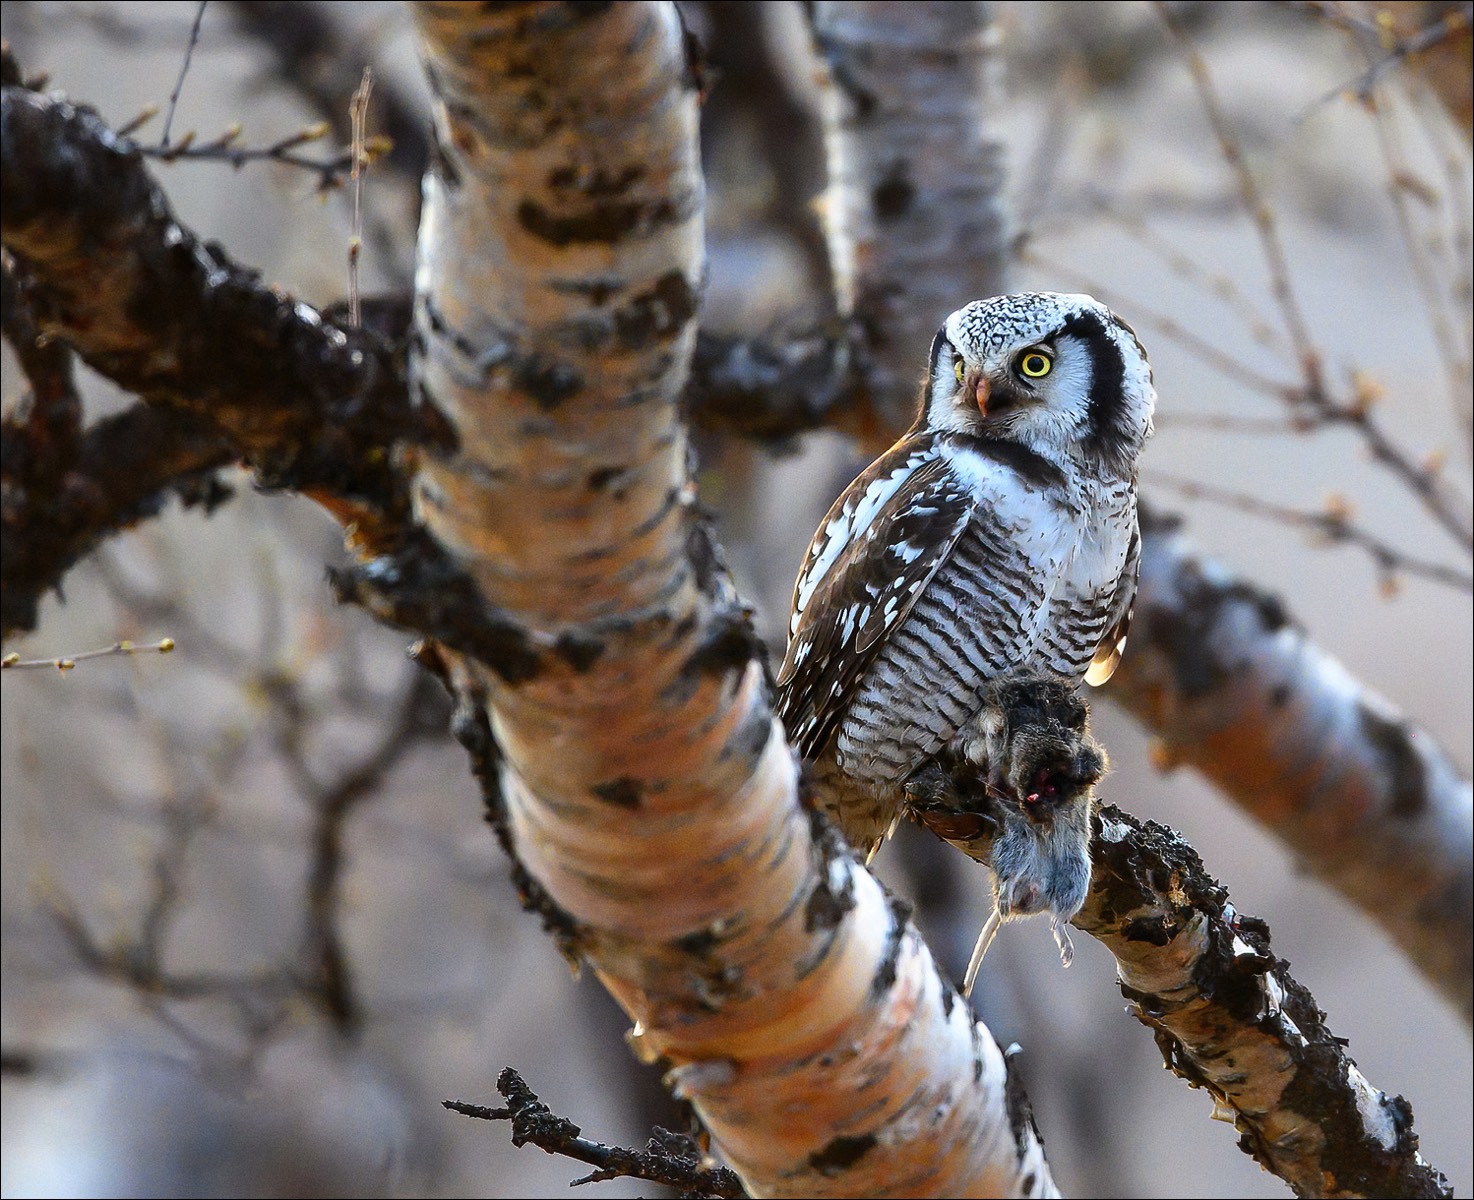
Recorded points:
(1035, 364)
(959, 370)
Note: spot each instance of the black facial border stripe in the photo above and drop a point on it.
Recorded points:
(1106, 416)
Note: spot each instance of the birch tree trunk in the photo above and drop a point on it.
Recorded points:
(914, 210)
(648, 792)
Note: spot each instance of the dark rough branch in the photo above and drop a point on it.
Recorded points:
(124, 470)
(1228, 1017)
(669, 1158)
(230, 367)
(145, 302)
(774, 389)
(1226, 1013)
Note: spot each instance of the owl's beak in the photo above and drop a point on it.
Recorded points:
(984, 388)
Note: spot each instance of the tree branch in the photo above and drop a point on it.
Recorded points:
(670, 1159)
(1366, 800)
(146, 303)
(123, 470)
(1226, 1013)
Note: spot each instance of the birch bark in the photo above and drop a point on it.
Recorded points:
(645, 787)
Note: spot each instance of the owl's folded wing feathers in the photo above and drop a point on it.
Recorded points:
(881, 544)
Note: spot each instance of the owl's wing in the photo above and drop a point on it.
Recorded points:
(1123, 603)
(873, 555)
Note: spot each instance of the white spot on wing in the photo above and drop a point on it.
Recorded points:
(851, 522)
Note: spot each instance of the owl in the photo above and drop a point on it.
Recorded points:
(998, 536)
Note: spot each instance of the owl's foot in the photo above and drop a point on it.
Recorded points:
(949, 805)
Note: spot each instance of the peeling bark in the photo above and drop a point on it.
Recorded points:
(1228, 1017)
(641, 784)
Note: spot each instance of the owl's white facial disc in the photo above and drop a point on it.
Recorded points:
(1094, 401)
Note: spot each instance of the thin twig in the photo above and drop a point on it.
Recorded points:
(1255, 204)
(1221, 286)
(1379, 34)
(194, 37)
(358, 110)
(1209, 353)
(1333, 523)
(1424, 260)
(1230, 423)
(330, 171)
(670, 1158)
(328, 967)
(14, 662)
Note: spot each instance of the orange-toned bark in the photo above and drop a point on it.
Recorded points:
(646, 788)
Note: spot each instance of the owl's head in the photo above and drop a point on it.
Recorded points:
(1051, 371)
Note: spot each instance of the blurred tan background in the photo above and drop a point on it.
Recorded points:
(161, 810)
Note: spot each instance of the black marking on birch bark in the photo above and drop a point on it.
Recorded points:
(611, 479)
(826, 906)
(836, 56)
(841, 1154)
(699, 943)
(579, 650)
(705, 554)
(894, 194)
(750, 738)
(670, 500)
(413, 584)
(599, 291)
(546, 380)
(442, 164)
(623, 792)
(604, 223)
(657, 314)
(885, 974)
(441, 436)
(442, 328)
(1407, 777)
(558, 16)
(728, 643)
(1016, 1101)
